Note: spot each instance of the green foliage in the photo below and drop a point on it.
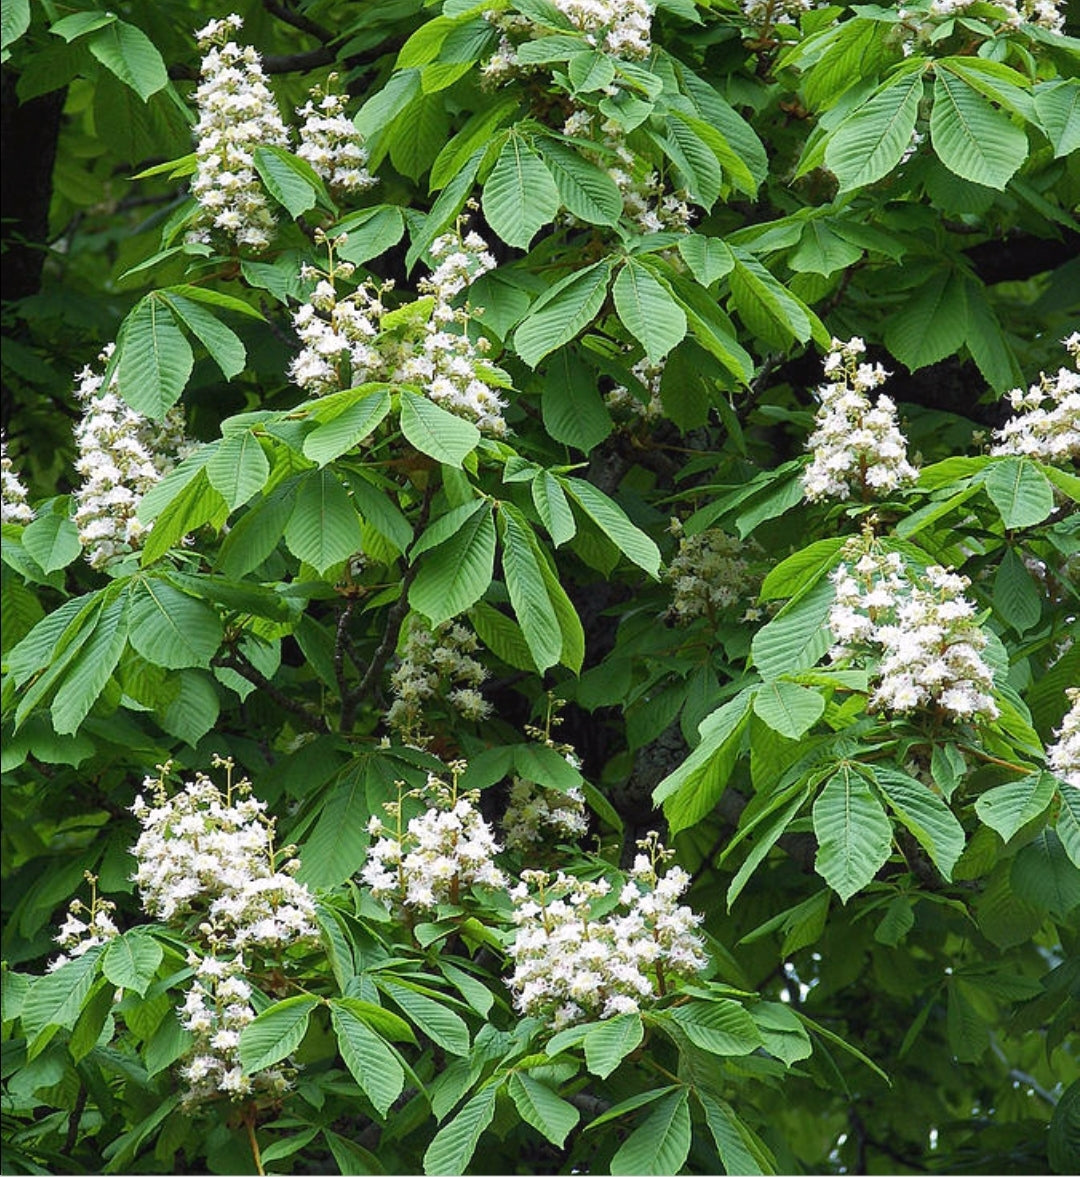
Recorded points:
(672, 236)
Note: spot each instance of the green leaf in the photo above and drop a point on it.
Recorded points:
(1063, 1135)
(78, 24)
(972, 138)
(197, 503)
(436, 432)
(257, 533)
(823, 251)
(92, 668)
(766, 307)
(520, 196)
(14, 21)
(131, 960)
(573, 409)
(53, 541)
(453, 1145)
(553, 508)
(336, 436)
(930, 325)
(709, 259)
(661, 1143)
(724, 152)
(527, 589)
(1057, 108)
(275, 1033)
(924, 813)
(439, 1023)
(784, 1035)
(456, 573)
(290, 181)
(740, 1150)
(634, 544)
(788, 708)
(370, 232)
(854, 835)
(869, 143)
(194, 709)
(692, 790)
(539, 1106)
(171, 629)
(239, 469)
(223, 344)
(797, 637)
(374, 1066)
(611, 1041)
(648, 311)
(1017, 601)
(719, 1027)
(562, 311)
(155, 360)
(1020, 490)
(590, 194)
(56, 998)
(128, 52)
(1043, 875)
(1068, 822)
(502, 636)
(1008, 807)
(324, 527)
(801, 568)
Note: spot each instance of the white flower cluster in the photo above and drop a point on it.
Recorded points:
(650, 375)
(237, 114)
(432, 660)
(215, 1011)
(206, 859)
(535, 813)
(77, 934)
(1063, 757)
(209, 856)
(443, 851)
(331, 143)
(449, 365)
(622, 28)
(646, 200)
(572, 965)
(121, 455)
(923, 631)
(710, 573)
(1047, 421)
(855, 445)
(337, 333)
(344, 344)
(766, 14)
(13, 505)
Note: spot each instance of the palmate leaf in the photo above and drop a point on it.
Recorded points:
(324, 527)
(1010, 806)
(128, 52)
(520, 196)
(739, 1148)
(528, 590)
(562, 311)
(434, 431)
(853, 832)
(788, 708)
(452, 1148)
(92, 668)
(869, 143)
(925, 815)
(154, 359)
(170, 628)
(275, 1033)
(373, 1065)
(648, 310)
(589, 193)
(456, 573)
(1020, 491)
(661, 1143)
(971, 137)
(539, 1106)
(238, 469)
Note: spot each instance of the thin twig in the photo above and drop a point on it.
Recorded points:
(249, 1123)
(341, 639)
(74, 1120)
(234, 660)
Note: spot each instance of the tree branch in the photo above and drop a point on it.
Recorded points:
(234, 660)
(299, 21)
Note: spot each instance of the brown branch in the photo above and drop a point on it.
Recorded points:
(299, 21)
(74, 1120)
(234, 660)
(341, 644)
